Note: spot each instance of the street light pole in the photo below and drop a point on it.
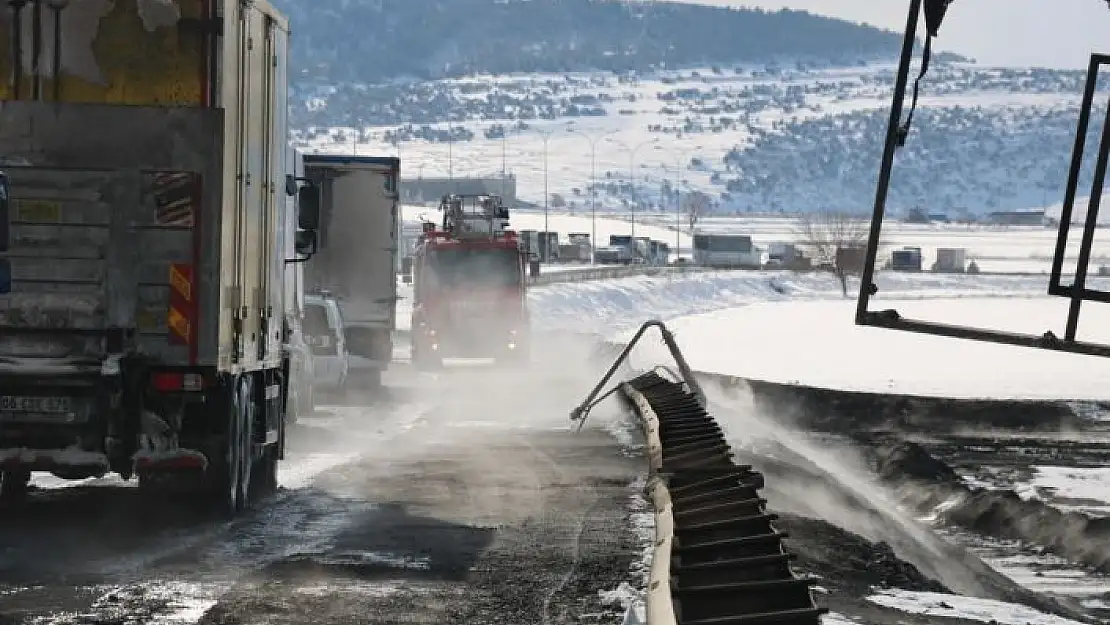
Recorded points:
(546, 134)
(632, 174)
(504, 136)
(680, 161)
(593, 186)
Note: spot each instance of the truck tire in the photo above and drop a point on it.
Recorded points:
(248, 411)
(265, 478)
(231, 478)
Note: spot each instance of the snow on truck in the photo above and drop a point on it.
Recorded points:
(469, 287)
(143, 245)
(357, 256)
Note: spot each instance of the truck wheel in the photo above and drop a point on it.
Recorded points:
(14, 484)
(265, 479)
(233, 478)
(248, 411)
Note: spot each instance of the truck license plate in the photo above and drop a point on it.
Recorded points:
(39, 405)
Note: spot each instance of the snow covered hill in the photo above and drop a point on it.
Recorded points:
(756, 138)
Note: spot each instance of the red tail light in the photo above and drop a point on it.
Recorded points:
(176, 382)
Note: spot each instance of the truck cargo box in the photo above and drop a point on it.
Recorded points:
(359, 248)
(152, 220)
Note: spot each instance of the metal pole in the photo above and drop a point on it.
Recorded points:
(547, 237)
(504, 136)
(677, 211)
(865, 286)
(593, 200)
(632, 181)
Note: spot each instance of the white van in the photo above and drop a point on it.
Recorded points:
(323, 331)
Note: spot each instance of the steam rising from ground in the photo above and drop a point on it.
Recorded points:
(474, 404)
(829, 479)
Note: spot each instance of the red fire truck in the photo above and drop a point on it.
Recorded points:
(469, 285)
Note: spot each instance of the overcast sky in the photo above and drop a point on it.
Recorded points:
(1047, 33)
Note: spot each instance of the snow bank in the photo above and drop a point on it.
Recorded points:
(816, 344)
(627, 302)
(968, 608)
(1085, 490)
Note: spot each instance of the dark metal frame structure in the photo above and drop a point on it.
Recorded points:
(1077, 292)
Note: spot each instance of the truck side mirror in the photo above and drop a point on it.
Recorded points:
(290, 185)
(305, 242)
(308, 208)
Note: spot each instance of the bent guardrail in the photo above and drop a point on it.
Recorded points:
(717, 557)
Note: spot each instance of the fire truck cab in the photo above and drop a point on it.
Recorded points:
(469, 285)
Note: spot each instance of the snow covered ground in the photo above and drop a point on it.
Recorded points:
(966, 608)
(680, 126)
(817, 344)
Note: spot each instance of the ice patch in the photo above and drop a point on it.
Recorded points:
(300, 473)
(333, 587)
(832, 618)
(1080, 489)
(968, 608)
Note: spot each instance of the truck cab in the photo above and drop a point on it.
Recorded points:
(469, 290)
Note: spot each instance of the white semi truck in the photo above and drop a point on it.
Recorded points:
(358, 250)
(143, 221)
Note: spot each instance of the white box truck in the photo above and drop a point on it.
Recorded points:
(142, 249)
(357, 254)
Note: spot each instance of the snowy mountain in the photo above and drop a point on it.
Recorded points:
(756, 138)
(763, 112)
(371, 41)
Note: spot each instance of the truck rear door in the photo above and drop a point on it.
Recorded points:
(89, 256)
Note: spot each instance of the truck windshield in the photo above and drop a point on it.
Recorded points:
(620, 240)
(478, 267)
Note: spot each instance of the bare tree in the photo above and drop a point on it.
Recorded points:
(837, 241)
(696, 204)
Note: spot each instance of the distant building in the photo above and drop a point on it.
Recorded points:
(1021, 217)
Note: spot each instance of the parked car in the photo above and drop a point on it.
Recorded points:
(323, 332)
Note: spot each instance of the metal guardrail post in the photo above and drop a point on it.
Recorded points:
(582, 411)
